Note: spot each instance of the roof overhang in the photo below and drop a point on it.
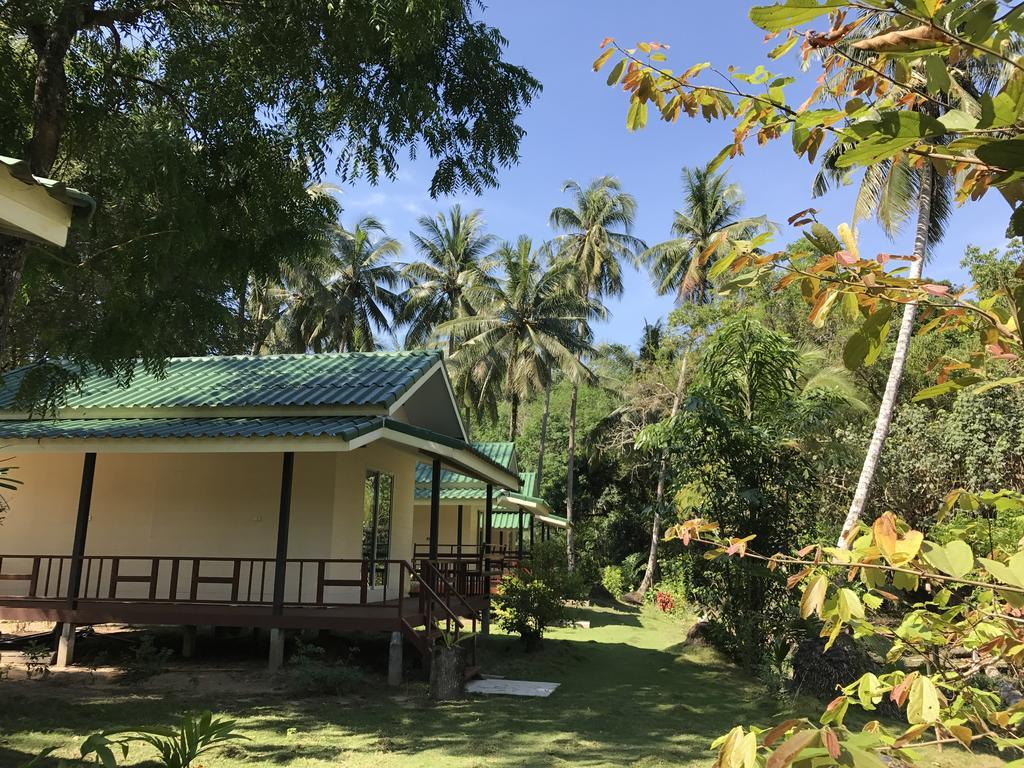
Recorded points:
(37, 209)
(531, 504)
(249, 436)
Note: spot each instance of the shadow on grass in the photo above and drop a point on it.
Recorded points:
(617, 705)
(606, 618)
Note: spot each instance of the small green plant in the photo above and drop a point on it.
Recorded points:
(526, 606)
(37, 660)
(451, 638)
(147, 659)
(613, 580)
(176, 747)
(312, 673)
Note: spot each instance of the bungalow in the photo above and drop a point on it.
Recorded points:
(473, 536)
(273, 492)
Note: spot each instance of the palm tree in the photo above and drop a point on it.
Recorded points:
(596, 236)
(367, 279)
(530, 324)
(892, 192)
(447, 281)
(932, 196)
(337, 301)
(706, 228)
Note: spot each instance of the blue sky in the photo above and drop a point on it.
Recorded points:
(576, 130)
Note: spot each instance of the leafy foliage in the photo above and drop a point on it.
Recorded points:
(526, 606)
(176, 747)
(201, 132)
(898, 86)
(968, 603)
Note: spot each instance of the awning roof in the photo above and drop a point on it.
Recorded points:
(502, 453)
(198, 435)
(506, 520)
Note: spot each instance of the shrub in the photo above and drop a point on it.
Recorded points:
(527, 606)
(613, 580)
(672, 585)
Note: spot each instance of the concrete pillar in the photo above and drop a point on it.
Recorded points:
(276, 660)
(66, 645)
(188, 641)
(395, 660)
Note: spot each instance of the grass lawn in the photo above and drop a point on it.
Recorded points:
(629, 696)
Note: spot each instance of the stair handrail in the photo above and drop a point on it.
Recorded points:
(452, 591)
(451, 615)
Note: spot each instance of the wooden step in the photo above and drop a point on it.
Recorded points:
(472, 673)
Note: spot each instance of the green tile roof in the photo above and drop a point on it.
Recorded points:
(455, 494)
(529, 483)
(353, 379)
(346, 428)
(511, 519)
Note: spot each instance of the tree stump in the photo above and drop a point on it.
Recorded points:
(448, 673)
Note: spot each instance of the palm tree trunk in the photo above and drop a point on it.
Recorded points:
(899, 359)
(659, 494)
(543, 433)
(513, 417)
(570, 481)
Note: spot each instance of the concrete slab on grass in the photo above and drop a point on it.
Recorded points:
(511, 687)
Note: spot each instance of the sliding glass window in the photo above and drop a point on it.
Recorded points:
(377, 503)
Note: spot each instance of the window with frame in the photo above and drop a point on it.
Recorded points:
(377, 506)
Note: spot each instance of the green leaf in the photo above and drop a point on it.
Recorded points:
(872, 151)
(1006, 381)
(1011, 572)
(1007, 154)
(954, 559)
(938, 76)
(856, 350)
(950, 385)
(958, 120)
(616, 73)
(793, 13)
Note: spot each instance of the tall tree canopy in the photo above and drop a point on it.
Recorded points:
(198, 126)
(448, 281)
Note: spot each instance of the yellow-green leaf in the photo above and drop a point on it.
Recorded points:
(600, 60)
(793, 13)
(923, 706)
(953, 559)
(814, 596)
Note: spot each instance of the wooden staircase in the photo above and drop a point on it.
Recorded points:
(442, 613)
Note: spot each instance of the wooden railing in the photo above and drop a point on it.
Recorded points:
(243, 581)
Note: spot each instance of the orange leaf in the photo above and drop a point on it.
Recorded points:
(787, 753)
(606, 41)
(830, 741)
(779, 731)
